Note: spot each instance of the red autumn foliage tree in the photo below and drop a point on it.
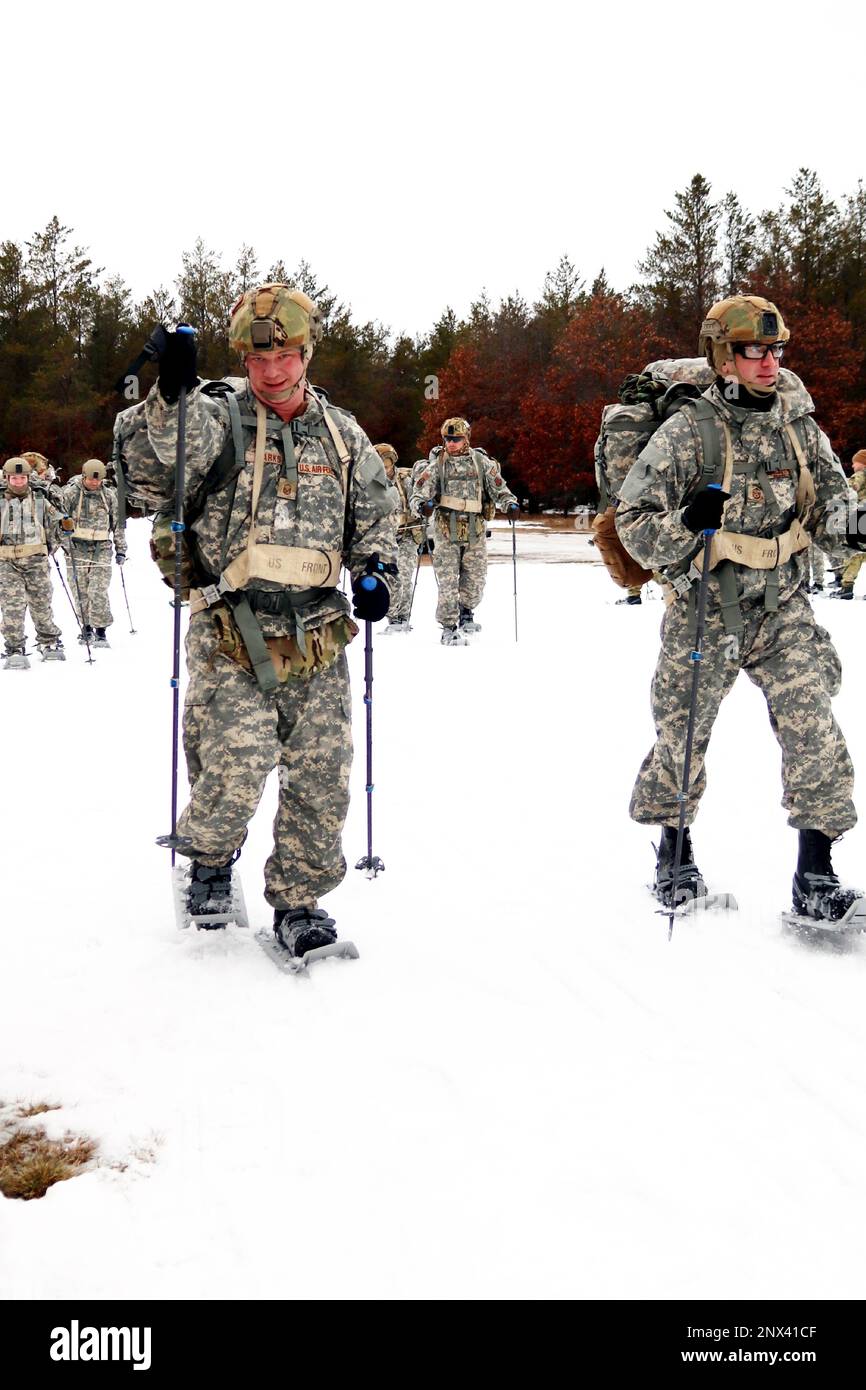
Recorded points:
(560, 415)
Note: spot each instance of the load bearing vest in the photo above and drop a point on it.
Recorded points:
(731, 548)
(92, 533)
(457, 506)
(22, 527)
(280, 564)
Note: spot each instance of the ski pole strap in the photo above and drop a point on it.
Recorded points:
(257, 648)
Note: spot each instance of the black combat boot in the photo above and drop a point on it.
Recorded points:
(302, 929)
(689, 882)
(467, 620)
(101, 638)
(86, 633)
(817, 890)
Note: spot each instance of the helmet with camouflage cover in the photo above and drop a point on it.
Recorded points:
(38, 462)
(387, 451)
(17, 466)
(275, 316)
(93, 468)
(455, 427)
(744, 318)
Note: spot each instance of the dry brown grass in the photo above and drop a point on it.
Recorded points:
(30, 1162)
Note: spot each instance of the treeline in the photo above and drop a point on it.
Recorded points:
(532, 377)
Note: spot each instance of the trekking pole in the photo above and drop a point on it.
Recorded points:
(81, 623)
(173, 841)
(65, 590)
(514, 561)
(415, 581)
(695, 657)
(372, 863)
(126, 600)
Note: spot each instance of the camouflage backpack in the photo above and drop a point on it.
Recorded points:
(645, 401)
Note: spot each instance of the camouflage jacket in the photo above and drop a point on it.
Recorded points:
(649, 518)
(93, 511)
(858, 483)
(27, 519)
(408, 525)
(312, 515)
(472, 475)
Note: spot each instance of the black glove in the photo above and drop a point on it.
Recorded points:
(120, 558)
(512, 511)
(370, 592)
(177, 363)
(427, 508)
(857, 538)
(704, 512)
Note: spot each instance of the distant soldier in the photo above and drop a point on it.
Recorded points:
(858, 483)
(44, 474)
(463, 487)
(29, 531)
(93, 509)
(410, 534)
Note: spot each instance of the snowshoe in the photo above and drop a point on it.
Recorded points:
(51, 651)
(467, 620)
(821, 905)
(100, 639)
(691, 892)
(453, 637)
(86, 635)
(15, 660)
(208, 898)
(396, 625)
(302, 935)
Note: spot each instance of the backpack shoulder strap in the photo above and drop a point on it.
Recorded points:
(705, 421)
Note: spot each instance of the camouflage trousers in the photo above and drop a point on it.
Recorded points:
(460, 572)
(26, 584)
(816, 565)
(92, 575)
(407, 564)
(234, 735)
(852, 569)
(794, 664)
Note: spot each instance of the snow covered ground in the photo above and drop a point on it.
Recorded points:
(520, 1090)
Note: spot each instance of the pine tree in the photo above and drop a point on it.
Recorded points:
(682, 266)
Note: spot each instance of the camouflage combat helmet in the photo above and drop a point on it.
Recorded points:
(37, 461)
(745, 318)
(387, 451)
(93, 468)
(275, 316)
(455, 427)
(16, 465)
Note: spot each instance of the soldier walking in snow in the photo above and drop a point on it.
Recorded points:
(92, 505)
(462, 486)
(296, 492)
(410, 535)
(28, 534)
(781, 485)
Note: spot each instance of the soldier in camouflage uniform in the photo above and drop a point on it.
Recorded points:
(858, 486)
(781, 484)
(29, 532)
(463, 487)
(92, 505)
(300, 491)
(410, 535)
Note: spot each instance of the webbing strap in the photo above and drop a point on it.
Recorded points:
(257, 647)
(289, 456)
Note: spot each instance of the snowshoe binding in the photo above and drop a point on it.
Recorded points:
(396, 626)
(453, 637)
(100, 638)
(302, 935)
(86, 635)
(467, 620)
(51, 650)
(822, 907)
(208, 897)
(691, 893)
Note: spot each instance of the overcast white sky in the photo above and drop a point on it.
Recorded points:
(414, 153)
